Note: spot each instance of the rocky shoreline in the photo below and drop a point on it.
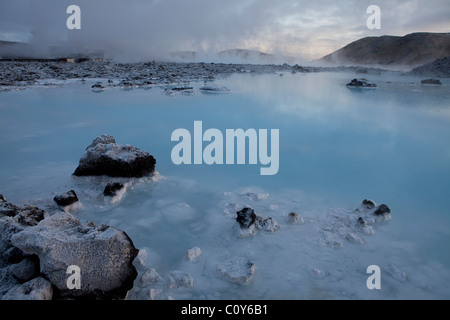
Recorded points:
(22, 74)
(129, 75)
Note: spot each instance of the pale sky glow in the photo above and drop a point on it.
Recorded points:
(144, 28)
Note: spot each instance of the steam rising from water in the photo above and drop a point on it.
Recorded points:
(151, 29)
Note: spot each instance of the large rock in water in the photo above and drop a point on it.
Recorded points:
(105, 157)
(103, 254)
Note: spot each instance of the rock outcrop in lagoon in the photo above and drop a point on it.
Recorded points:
(249, 222)
(361, 83)
(105, 157)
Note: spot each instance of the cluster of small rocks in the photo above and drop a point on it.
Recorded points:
(353, 226)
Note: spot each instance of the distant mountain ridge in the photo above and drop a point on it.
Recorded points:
(412, 50)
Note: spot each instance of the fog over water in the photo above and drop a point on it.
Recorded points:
(142, 30)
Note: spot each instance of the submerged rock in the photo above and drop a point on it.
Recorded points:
(267, 224)
(103, 254)
(66, 199)
(105, 157)
(179, 279)
(431, 81)
(112, 189)
(193, 254)
(237, 270)
(361, 83)
(295, 218)
(150, 277)
(213, 89)
(98, 87)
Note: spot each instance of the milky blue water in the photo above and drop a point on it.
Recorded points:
(338, 146)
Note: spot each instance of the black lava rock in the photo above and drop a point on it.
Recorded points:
(361, 83)
(105, 157)
(382, 210)
(368, 204)
(246, 217)
(112, 188)
(66, 199)
(431, 81)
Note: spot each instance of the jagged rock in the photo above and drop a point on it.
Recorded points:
(35, 289)
(246, 217)
(103, 254)
(237, 270)
(361, 83)
(66, 199)
(268, 224)
(104, 139)
(2, 198)
(193, 254)
(249, 221)
(25, 215)
(105, 157)
(179, 279)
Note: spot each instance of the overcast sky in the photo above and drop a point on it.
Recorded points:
(148, 28)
